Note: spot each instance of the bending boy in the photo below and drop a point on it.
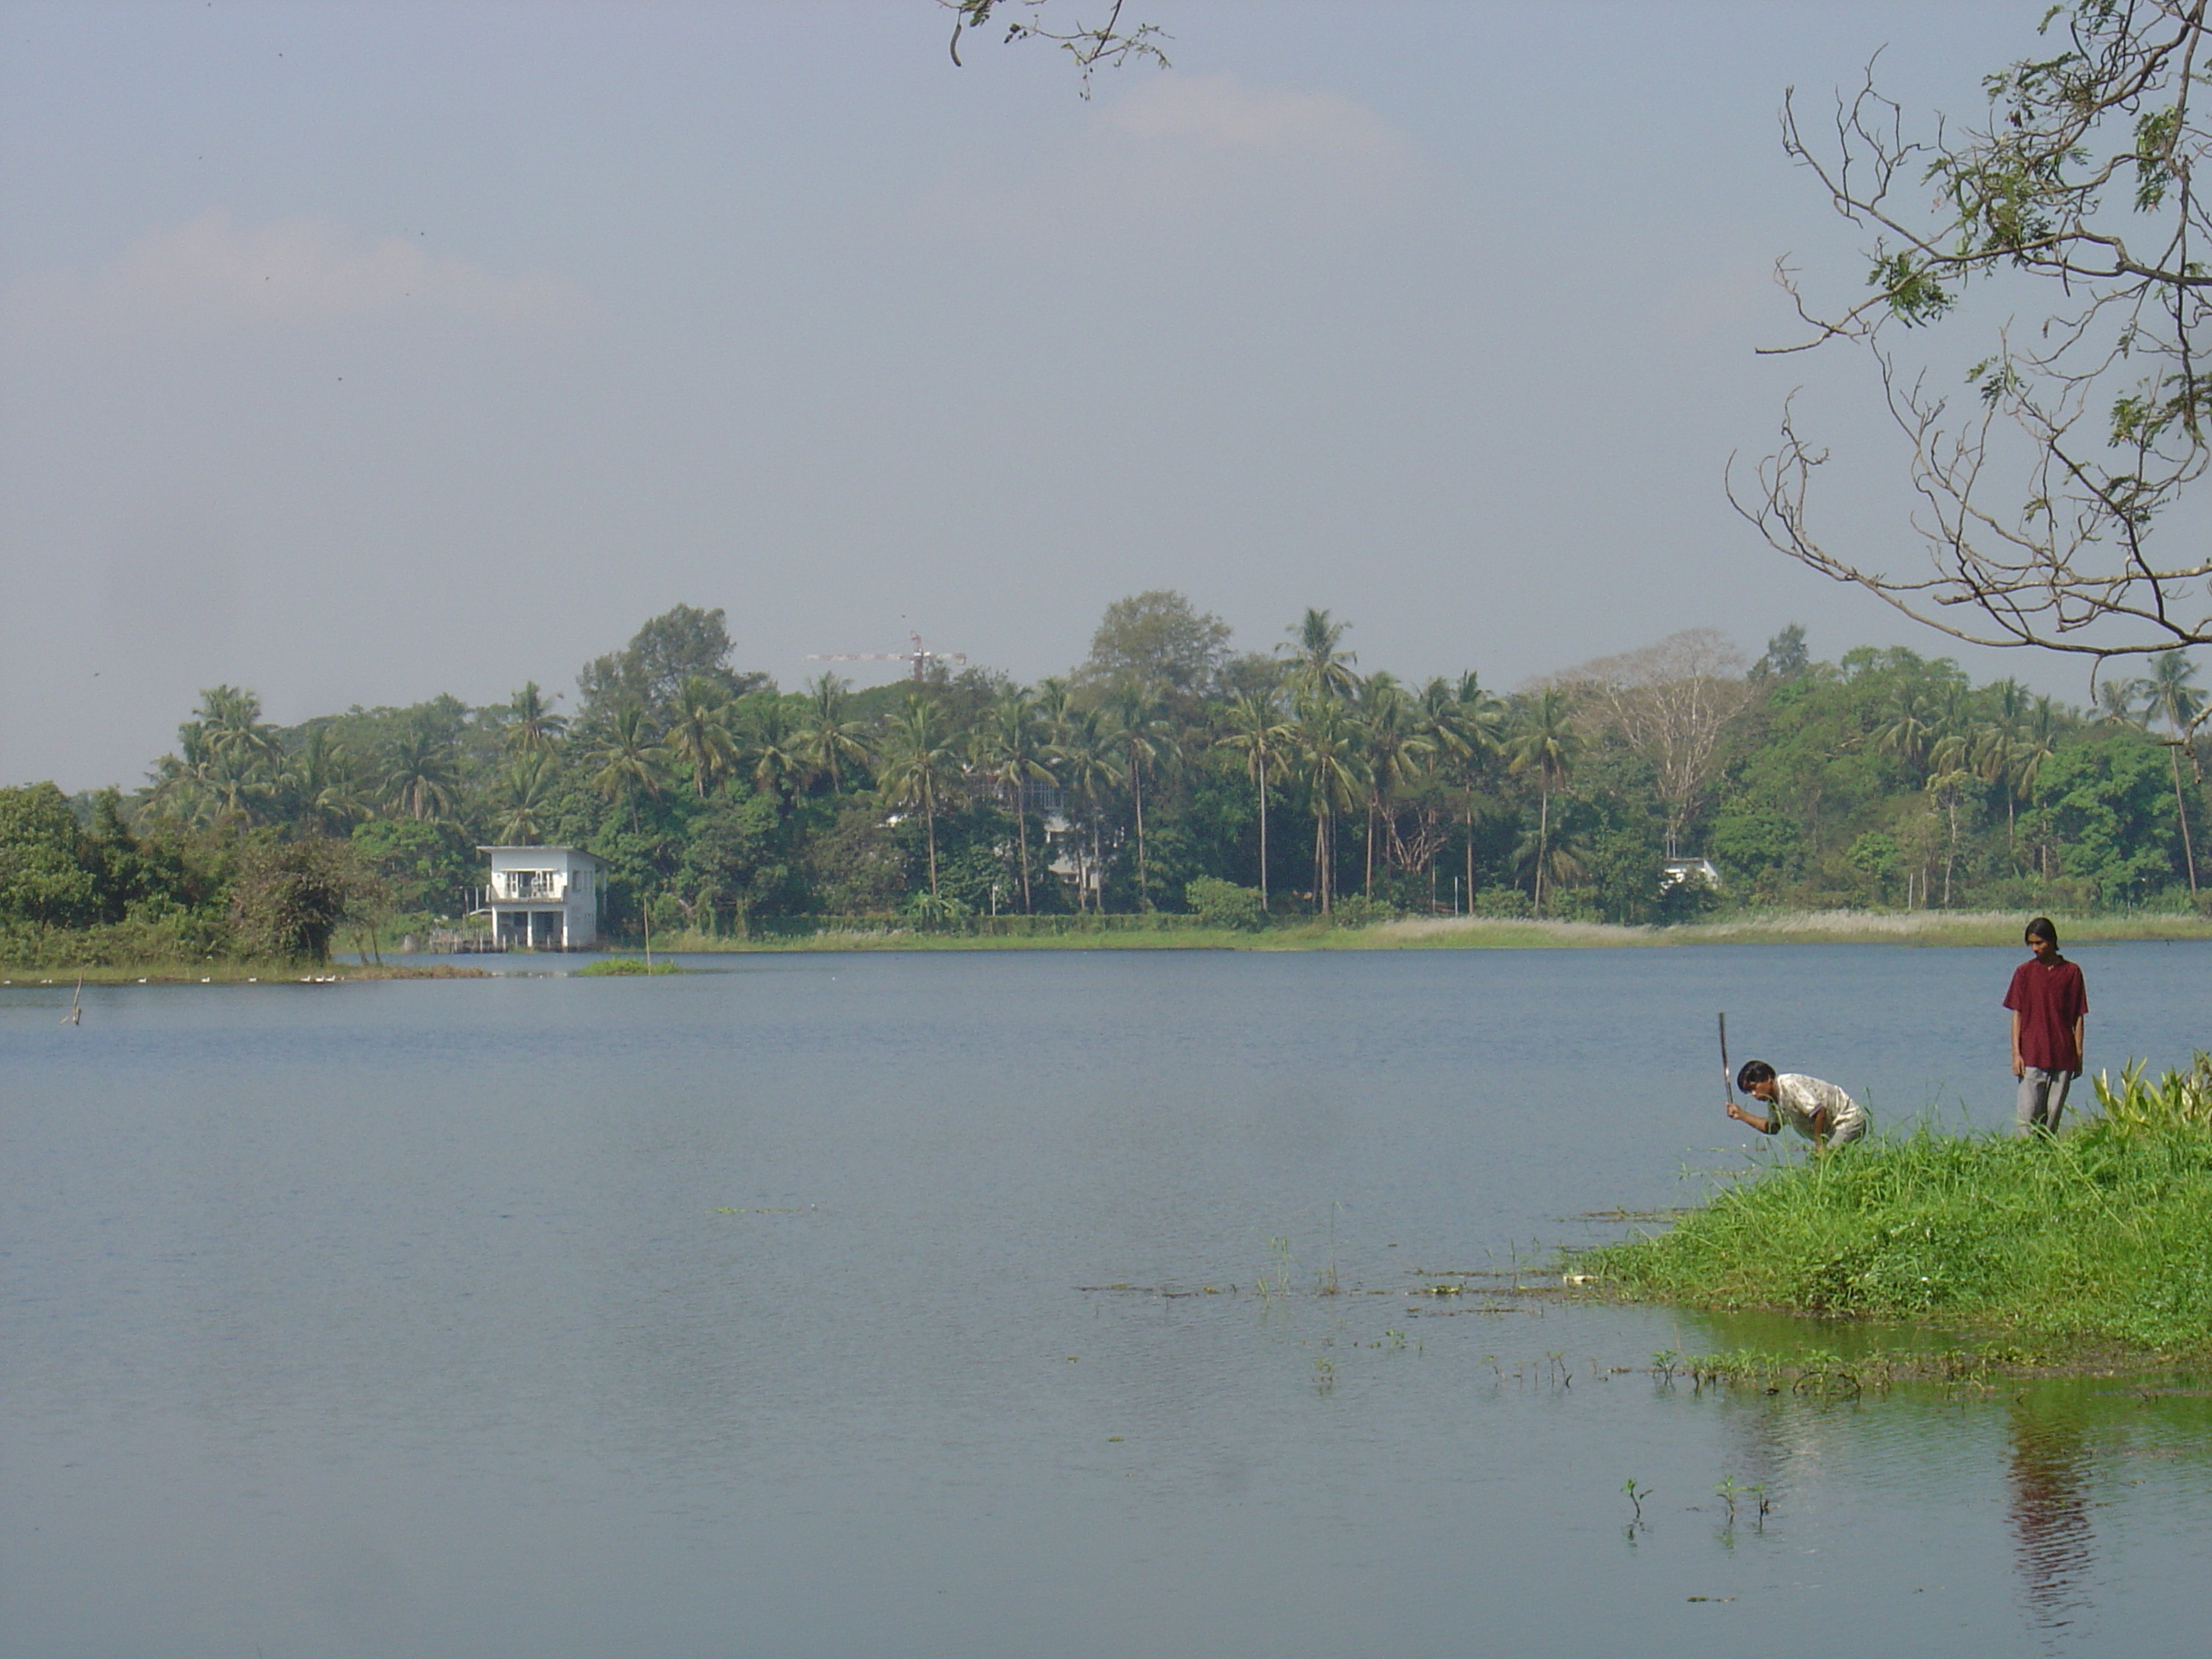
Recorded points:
(1820, 1111)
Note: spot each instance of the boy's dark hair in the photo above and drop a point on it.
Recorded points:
(1755, 1071)
(2042, 927)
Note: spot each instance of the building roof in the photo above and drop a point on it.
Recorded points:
(572, 851)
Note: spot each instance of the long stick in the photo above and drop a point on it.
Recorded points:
(1728, 1077)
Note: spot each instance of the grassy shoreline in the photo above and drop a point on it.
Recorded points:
(1923, 927)
(2091, 1248)
(227, 973)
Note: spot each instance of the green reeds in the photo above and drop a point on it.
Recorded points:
(2098, 1236)
(2178, 1101)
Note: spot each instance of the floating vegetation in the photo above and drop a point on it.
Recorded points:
(622, 967)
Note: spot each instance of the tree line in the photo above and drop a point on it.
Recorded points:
(1167, 772)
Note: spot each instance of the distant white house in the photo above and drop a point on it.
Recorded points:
(541, 899)
(1673, 872)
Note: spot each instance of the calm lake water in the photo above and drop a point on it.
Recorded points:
(745, 1313)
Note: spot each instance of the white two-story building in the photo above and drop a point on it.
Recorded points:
(541, 899)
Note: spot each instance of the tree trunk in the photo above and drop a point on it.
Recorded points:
(1137, 794)
(1470, 855)
(1321, 859)
(2188, 852)
(1022, 836)
(1543, 840)
(1262, 781)
(1951, 849)
(929, 819)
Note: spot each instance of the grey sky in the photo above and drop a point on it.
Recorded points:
(356, 353)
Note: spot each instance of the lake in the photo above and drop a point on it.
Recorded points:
(771, 1310)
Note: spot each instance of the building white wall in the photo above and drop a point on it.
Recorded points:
(539, 880)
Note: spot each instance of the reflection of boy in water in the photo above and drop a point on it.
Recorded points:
(1820, 1111)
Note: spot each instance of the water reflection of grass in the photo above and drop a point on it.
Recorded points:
(2044, 1249)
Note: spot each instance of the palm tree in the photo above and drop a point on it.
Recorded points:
(1328, 764)
(325, 783)
(532, 727)
(419, 776)
(228, 761)
(1910, 728)
(1995, 749)
(1321, 667)
(1947, 774)
(2170, 698)
(1082, 755)
(1397, 750)
(1544, 742)
(1009, 751)
(630, 763)
(526, 797)
(920, 766)
(2037, 743)
(1258, 731)
(699, 731)
(1144, 739)
(1468, 729)
(775, 751)
(1552, 857)
(178, 783)
(1055, 707)
(2115, 702)
(830, 742)
(235, 731)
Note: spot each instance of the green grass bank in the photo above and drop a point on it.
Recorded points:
(1162, 931)
(2046, 1249)
(226, 971)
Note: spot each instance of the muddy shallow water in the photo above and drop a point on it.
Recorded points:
(745, 1313)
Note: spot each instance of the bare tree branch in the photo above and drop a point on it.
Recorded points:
(1105, 43)
(2040, 494)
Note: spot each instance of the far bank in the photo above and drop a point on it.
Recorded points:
(1175, 932)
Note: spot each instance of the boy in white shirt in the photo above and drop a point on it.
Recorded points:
(1820, 1111)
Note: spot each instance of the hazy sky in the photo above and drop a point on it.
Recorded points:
(355, 353)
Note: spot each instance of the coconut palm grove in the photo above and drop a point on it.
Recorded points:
(1168, 774)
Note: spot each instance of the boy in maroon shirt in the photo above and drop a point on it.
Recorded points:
(2049, 1007)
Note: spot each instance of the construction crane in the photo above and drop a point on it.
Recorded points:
(919, 658)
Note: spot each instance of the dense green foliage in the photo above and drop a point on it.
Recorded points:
(2097, 1235)
(1167, 774)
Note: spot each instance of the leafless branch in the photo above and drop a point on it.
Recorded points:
(2040, 494)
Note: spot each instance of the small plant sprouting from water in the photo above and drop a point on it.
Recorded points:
(1324, 1375)
(1636, 1495)
(1278, 1250)
(1758, 1493)
(1397, 1340)
(1664, 1365)
(1727, 1491)
(1327, 1286)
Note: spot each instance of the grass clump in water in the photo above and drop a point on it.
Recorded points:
(2096, 1237)
(613, 967)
